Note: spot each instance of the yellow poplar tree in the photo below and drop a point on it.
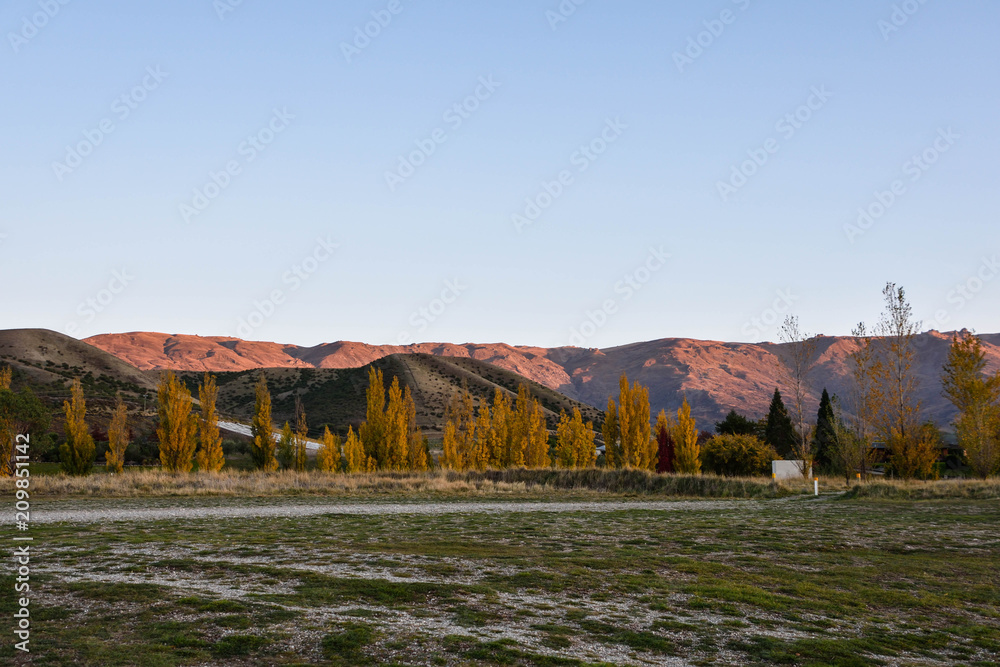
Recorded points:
(262, 429)
(118, 439)
(459, 432)
(396, 430)
(373, 430)
(480, 459)
(355, 459)
(328, 456)
(575, 442)
(976, 395)
(77, 453)
(6, 375)
(210, 456)
(687, 452)
(416, 447)
(537, 452)
(301, 435)
(286, 447)
(451, 458)
(502, 431)
(177, 426)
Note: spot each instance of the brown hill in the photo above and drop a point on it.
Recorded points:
(715, 376)
(336, 397)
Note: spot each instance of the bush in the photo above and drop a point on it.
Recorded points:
(737, 455)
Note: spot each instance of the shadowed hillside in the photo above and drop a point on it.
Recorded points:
(337, 396)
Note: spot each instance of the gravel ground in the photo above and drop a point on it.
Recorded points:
(106, 514)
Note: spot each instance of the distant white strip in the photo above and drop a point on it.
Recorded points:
(243, 429)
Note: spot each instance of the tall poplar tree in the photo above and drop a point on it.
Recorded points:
(687, 451)
(301, 436)
(355, 459)
(373, 430)
(419, 460)
(77, 453)
(328, 457)
(210, 456)
(177, 427)
(396, 430)
(976, 396)
(118, 439)
(262, 429)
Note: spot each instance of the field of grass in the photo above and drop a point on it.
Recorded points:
(788, 581)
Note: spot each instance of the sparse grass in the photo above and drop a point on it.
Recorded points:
(973, 489)
(787, 581)
(545, 484)
(503, 484)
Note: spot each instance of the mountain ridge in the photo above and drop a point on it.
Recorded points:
(715, 376)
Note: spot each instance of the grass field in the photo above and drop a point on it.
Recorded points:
(794, 580)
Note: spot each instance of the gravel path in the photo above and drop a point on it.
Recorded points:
(103, 515)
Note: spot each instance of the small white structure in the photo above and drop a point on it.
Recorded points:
(788, 469)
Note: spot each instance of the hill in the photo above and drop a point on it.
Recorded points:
(336, 397)
(715, 376)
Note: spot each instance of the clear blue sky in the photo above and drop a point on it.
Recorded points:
(672, 131)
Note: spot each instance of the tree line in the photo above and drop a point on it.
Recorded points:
(881, 412)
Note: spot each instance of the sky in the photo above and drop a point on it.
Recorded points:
(533, 172)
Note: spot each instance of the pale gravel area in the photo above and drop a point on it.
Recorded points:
(50, 514)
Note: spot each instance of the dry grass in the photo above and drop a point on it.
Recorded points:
(154, 483)
(518, 482)
(895, 490)
(503, 483)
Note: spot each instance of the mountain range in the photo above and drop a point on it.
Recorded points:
(716, 377)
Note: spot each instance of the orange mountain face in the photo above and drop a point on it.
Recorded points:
(715, 376)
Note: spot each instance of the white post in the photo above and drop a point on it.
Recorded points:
(816, 485)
